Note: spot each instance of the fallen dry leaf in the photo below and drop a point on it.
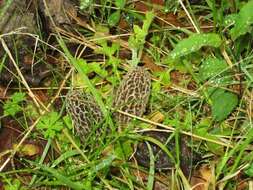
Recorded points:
(148, 6)
(28, 149)
(157, 117)
(202, 179)
(8, 135)
(150, 64)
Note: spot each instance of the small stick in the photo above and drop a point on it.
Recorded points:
(189, 16)
(173, 129)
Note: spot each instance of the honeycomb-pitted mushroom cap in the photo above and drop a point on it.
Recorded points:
(132, 95)
(84, 112)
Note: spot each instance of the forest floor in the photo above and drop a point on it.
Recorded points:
(117, 94)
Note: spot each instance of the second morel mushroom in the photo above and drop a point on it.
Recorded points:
(84, 112)
(132, 95)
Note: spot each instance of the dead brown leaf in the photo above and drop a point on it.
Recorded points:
(157, 117)
(8, 135)
(28, 149)
(149, 63)
(202, 179)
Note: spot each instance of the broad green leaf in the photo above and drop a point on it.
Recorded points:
(201, 131)
(193, 43)
(211, 67)
(243, 21)
(114, 18)
(223, 103)
(120, 3)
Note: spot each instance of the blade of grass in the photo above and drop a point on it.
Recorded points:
(240, 146)
(65, 156)
(62, 178)
(151, 174)
(43, 156)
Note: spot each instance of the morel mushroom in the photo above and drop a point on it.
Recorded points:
(84, 112)
(132, 95)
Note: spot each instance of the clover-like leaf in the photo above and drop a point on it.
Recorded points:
(11, 107)
(50, 124)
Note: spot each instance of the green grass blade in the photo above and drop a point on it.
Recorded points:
(151, 168)
(62, 178)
